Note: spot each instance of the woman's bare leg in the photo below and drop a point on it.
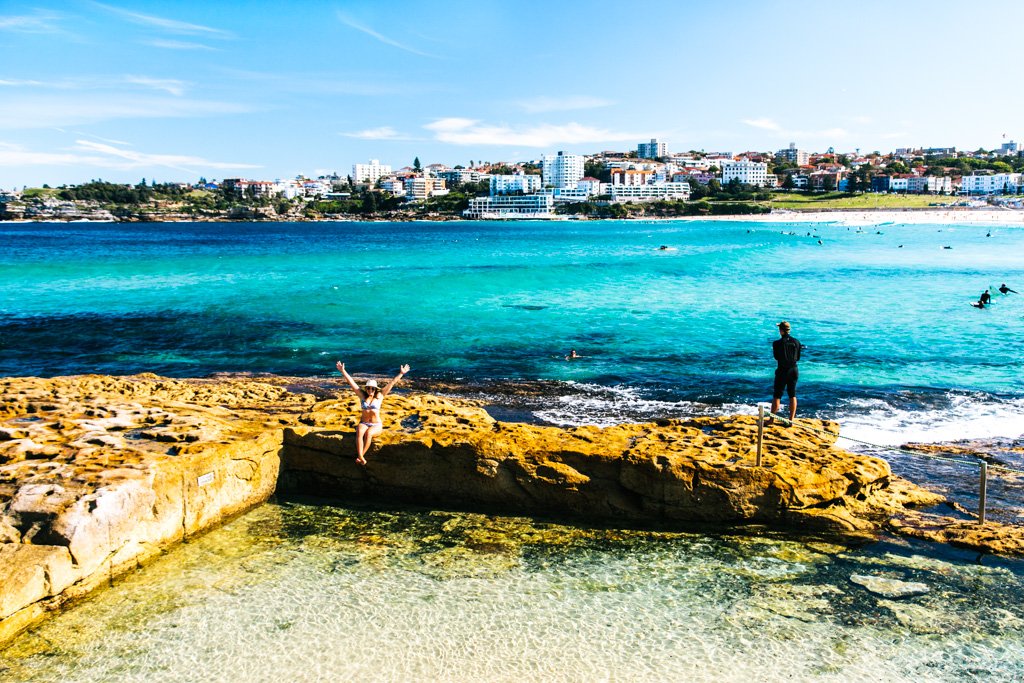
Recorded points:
(361, 431)
(364, 437)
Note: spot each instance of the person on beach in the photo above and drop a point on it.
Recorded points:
(1006, 290)
(786, 350)
(371, 398)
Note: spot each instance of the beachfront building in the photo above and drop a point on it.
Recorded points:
(792, 154)
(370, 173)
(561, 170)
(746, 172)
(592, 186)
(652, 149)
(460, 176)
(418, 188)
(510, 206)
(649, 193)
(632, 176)
(996, 183)
(517, 183)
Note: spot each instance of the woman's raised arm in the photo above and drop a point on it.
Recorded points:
(401, 371)
(348, 378)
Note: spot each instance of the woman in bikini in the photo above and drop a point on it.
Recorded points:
(370, 400)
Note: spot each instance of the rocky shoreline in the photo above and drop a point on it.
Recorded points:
(99, 474)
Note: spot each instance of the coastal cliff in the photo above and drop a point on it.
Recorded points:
(99, 474)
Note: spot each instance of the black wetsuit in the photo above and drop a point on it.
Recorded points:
(985, 298)
(786, 350)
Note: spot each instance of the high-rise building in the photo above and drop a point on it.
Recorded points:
(561, 170)
(797, 156)
(369, 173)
(652, 149)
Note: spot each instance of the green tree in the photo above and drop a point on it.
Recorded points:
(416, 165)
(788, 183)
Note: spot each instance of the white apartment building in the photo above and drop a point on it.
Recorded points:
(592, 186)
(517, 182)
(510, 206)
(747, 172)
(652, 149)
(990, 184)
(561, 170)
(369, 173)
(649, 193)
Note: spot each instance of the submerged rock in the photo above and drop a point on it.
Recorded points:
(889, 588)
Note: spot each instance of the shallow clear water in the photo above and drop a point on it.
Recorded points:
(301, 591)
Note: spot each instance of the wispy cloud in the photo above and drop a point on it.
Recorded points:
(39, 22)
(780, 131)
(461, 131)
(382, 133)
(177, 45)
(170, 25)
(170, 85)
(351, 23)
(52, 110)
(538, 105)
(132, 159)
(87, 153)
(763, 124)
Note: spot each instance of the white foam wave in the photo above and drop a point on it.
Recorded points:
(603, 406)
(967, 416)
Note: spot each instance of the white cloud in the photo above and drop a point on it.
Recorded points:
(171, 85)
(351, 23)
(764, 124)
(382, 133)
(779, 132)
(51, 110)
(171, 25)
(461, 131)
(40, 22)
(132, 159)
(87, 153)
(538, 105)
(177, 45)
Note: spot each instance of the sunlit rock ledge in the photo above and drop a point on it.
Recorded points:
(99, 474)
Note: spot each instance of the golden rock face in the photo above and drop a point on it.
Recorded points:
(97, 473)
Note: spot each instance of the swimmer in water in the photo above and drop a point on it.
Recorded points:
(1006, 290)
(573, 355)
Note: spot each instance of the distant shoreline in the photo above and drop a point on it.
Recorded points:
(958, 216)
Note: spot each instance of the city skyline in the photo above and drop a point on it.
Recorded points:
(122, 91)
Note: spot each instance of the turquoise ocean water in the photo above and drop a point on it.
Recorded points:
(894, 352)
(893, 347)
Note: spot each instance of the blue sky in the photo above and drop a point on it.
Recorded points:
(179, 90)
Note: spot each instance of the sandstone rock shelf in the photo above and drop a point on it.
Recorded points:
(98, 474)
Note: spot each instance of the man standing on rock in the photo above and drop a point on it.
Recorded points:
(786, 350)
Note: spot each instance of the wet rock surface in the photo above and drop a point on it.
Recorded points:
(98, 474)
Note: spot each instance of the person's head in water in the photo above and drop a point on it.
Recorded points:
(783, 328)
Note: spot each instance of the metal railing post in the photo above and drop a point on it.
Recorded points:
(760, 433)
(982, 491)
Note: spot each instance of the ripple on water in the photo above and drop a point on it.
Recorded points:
(313, 592)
